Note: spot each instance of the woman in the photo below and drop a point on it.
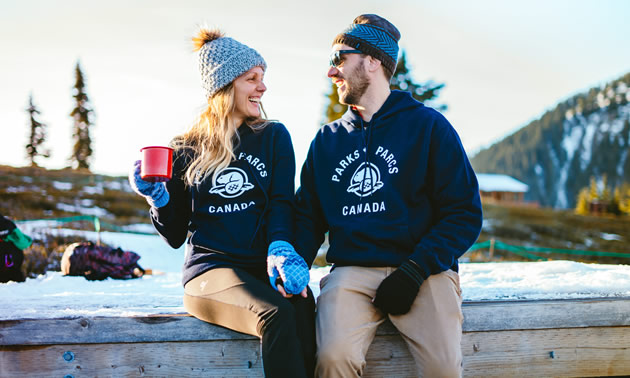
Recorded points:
(232, 192)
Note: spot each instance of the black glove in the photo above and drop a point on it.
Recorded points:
(396, 293)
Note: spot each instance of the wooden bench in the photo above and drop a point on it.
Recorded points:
(523, 338)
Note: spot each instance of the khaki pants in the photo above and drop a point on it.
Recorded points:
(346, 323)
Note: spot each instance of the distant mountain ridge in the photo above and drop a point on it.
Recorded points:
(584, 136)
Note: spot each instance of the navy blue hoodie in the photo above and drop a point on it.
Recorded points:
(398, 187)
(230, 221)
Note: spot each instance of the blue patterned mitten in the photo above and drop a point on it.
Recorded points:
(154, 192)
(284, 262)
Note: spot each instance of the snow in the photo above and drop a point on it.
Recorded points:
(490, 182)
(55, 296)
(140, 227)
(25, 189)
(92, 190)
(81, 209)
(62, 185)
(543, 280)
(607, 236)
(571, 141)
(117, 185)
(587, 141)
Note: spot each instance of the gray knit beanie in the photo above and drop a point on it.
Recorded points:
(223, 59)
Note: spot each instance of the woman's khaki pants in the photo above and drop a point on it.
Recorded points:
(346, 323)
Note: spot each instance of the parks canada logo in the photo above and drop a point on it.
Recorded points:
(365, 180)
(231, 182)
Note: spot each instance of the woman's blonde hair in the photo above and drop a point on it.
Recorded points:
(213, 137)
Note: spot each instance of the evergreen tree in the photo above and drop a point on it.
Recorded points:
(401, 80)
(423, 92)
(37, 135)
(82, 116)
(538, 153)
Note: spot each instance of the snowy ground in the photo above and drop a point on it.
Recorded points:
(53, 295)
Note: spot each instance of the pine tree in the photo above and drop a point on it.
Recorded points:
(401, 80)
(82, 116)
(37, 135)
(422, 92)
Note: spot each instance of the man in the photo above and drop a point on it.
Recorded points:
(392, 184)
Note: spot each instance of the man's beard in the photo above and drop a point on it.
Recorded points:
(357, 83)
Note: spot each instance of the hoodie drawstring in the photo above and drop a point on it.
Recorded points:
(366, 160)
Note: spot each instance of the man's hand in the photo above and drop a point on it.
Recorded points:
(396, 293)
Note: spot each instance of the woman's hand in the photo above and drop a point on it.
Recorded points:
(280, 289)
(154, 192)
(287, 270)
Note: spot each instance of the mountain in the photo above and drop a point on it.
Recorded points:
(586, 136)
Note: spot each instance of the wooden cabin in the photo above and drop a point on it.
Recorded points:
(569, 338)
(501, 189)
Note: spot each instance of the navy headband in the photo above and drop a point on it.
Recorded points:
(375, 36)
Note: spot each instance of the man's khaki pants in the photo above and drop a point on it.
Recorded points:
(346, 323)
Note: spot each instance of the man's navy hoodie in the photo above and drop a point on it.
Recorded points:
(231, 219)
(396, 188)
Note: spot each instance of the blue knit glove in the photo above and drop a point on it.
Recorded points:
(154, 192)
(284, 262)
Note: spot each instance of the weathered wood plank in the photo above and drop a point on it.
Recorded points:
(587, 338)
(577, 352)
(478, 316)
(112, 330)
(229, 358)
(512, 315)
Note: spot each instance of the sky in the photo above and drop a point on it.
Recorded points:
(504, 64)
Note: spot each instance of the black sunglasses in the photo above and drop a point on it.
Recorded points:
(336, 59)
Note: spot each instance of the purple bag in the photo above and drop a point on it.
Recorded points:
(97, 262)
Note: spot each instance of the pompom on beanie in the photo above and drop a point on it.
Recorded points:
(223, 59)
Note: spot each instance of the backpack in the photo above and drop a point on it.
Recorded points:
(97, 262)
(12, 241)
(11, 259)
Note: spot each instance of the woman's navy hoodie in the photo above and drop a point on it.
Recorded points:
(230, 221)
(398, 187)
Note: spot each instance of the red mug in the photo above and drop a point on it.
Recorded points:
(157, 163)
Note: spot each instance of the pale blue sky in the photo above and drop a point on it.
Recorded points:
(504, 63)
